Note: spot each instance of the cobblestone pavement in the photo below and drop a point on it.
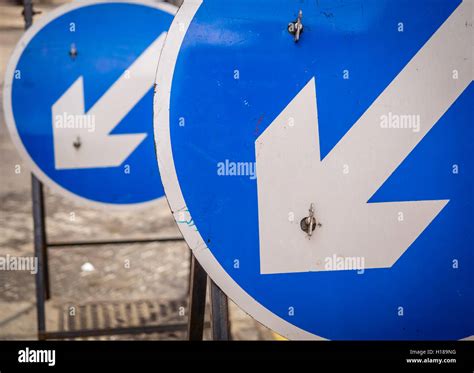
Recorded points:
(92, 286)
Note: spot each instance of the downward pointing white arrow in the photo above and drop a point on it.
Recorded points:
(90, 132)
(291, 176)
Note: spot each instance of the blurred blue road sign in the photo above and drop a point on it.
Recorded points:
(317, 157)
(78, 100)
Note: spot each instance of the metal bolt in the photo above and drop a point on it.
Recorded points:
(77, 143)
(308, 224)
(73, 51)
(296, 28)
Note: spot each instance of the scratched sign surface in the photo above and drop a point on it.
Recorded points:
(326, 183)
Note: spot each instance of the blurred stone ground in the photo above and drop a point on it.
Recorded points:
(91, 286)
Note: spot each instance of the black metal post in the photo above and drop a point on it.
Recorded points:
(39, 230)
(219, 314)
(197, 301)
(39, 227)
(28, 13)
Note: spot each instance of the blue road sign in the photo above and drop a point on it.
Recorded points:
(317, 158)
(78, 100)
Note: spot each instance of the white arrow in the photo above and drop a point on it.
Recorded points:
(82, 140)
(291, 174)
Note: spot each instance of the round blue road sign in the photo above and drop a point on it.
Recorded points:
(317, 158)
(78, 100)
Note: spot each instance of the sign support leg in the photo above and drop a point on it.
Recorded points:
(219, 314)
(28, 13)
(197, 300)
(39, 231)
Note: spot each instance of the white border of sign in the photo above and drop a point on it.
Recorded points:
(7, 105)
(173, 192)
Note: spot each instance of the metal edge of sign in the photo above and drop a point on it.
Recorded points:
(169, 178)
(10, 120)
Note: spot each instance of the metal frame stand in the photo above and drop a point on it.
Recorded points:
(197, 306)
(43, 292)
(197, 287)
(197, 279)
